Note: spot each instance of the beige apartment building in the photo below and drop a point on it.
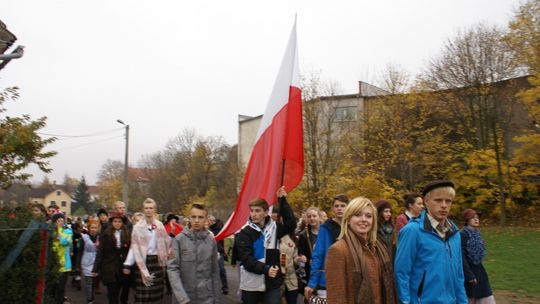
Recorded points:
(339, 111)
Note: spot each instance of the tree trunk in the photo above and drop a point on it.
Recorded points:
(500, 181)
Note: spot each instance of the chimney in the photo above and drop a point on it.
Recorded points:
(360, 88)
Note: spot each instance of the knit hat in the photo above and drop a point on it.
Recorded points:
(436, 184)
(114, 215)
(58, 215)
(381, 205)
(102, 211)
(468, 214)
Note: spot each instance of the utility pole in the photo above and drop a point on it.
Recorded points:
(125, 185)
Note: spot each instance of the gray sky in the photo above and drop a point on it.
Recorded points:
(162, 66)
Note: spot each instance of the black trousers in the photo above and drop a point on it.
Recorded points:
(265, 297)
(60, 290)
(118, 289)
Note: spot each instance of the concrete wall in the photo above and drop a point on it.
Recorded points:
(247, 131)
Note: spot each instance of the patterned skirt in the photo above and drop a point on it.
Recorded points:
(154, 293)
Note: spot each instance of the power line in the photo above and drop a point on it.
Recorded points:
(83, 135)
(89, 143)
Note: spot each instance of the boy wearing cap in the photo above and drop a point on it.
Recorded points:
(428, 263)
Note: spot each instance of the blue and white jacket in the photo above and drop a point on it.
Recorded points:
(258, 250)
(429, 268)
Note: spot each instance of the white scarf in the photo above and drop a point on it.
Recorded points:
(140, 240)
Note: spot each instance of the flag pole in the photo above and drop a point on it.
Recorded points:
(281, 185)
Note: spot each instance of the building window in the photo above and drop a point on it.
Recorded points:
(345, 113)
(58, 193)
(63, 203)
(36, 202)
(53, 202)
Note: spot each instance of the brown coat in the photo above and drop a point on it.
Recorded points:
(340, 278)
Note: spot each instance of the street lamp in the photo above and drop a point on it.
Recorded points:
(125, 186)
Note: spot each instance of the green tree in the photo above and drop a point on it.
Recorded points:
(20, 143)
(81, 197)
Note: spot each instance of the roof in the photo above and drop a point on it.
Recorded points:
(140, 174)
(93, 189)
(7, 38)
(39, 192)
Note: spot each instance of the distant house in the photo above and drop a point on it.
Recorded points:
(49, 196)
(7, 40)
(141, 176)
(94, 193)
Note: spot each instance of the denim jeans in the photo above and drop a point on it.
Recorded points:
(89, 288)
(223, 273)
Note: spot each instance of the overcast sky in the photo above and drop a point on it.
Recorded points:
(162, 66)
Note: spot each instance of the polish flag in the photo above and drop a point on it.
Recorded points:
(279, 140)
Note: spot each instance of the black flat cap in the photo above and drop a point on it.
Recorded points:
(436, 184)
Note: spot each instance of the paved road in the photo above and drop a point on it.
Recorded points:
(77, 296)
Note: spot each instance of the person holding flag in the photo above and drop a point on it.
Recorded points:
(277, 158)
(258, 249)
(277, 161)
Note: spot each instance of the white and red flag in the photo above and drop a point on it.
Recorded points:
(279, 140)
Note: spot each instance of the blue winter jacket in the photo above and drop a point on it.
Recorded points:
(428, 268)
(328, 233)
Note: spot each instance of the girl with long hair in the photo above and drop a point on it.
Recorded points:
(385, 231)
(89, 248)
(358, 268)
(306, 241)
(113, 249)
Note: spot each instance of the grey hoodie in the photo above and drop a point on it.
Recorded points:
(193, 268)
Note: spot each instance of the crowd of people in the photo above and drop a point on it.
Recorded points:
(363, 254)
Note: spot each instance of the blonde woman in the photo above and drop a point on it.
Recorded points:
(306, 241)
(358, 268)
(136, 217)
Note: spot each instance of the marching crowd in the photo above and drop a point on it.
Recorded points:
(360, 255)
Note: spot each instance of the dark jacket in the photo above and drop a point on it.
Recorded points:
(109, 258)
(216, 228)
(305, 248)
(471, 271)
(249, 243)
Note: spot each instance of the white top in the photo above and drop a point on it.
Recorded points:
(152, 248)
(88, 256)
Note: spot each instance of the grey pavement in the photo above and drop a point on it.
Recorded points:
(78, 297)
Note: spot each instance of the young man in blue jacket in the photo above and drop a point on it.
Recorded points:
(428, 265)
(328, 234)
